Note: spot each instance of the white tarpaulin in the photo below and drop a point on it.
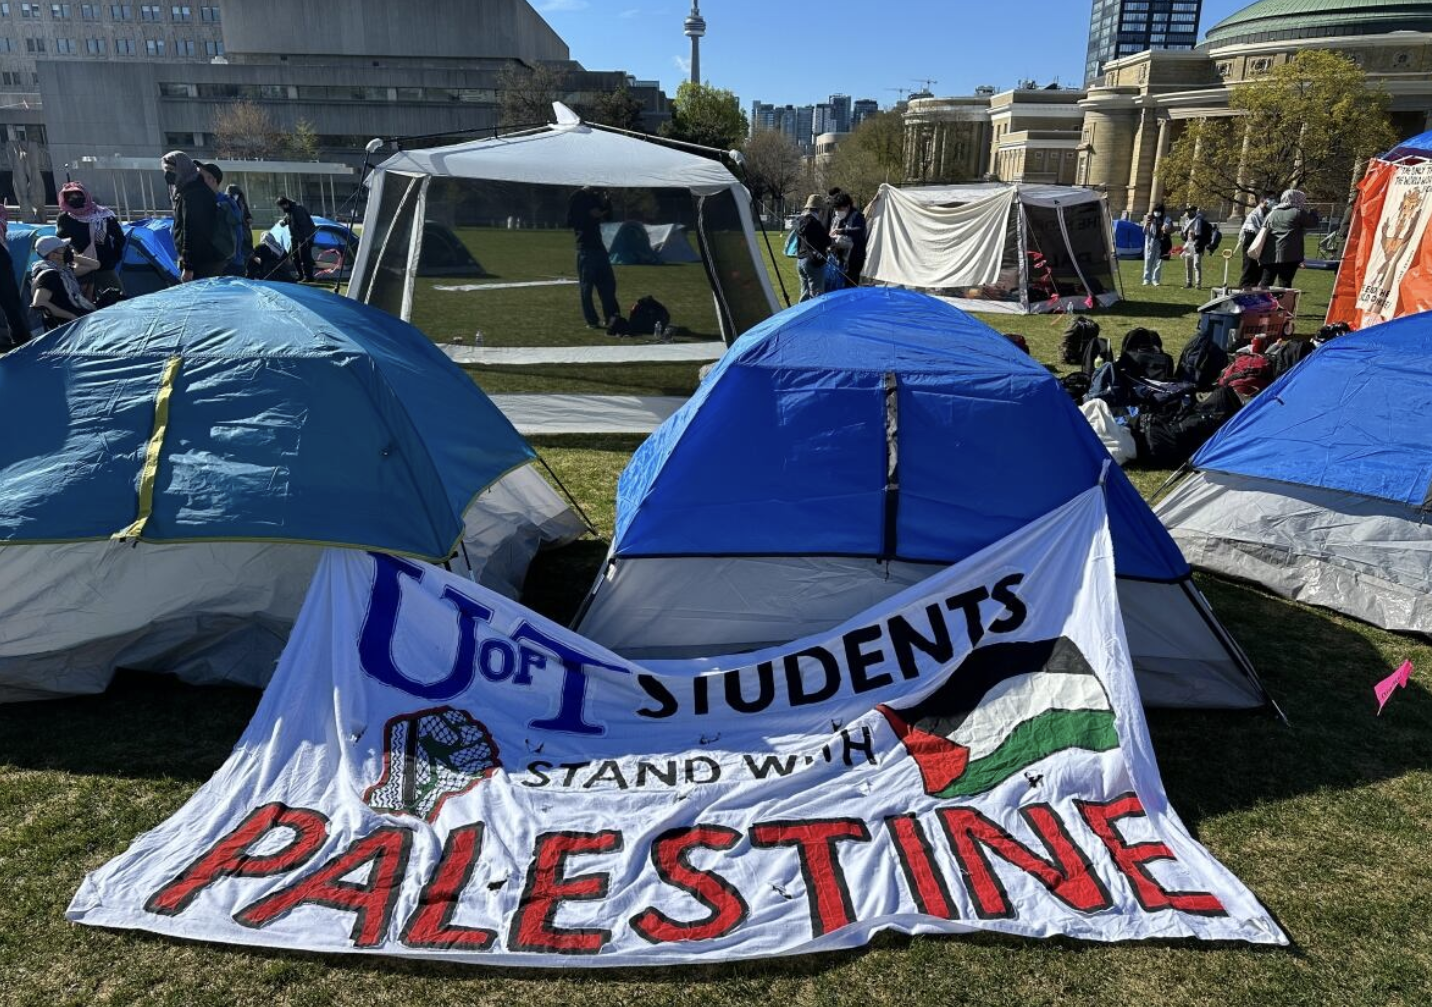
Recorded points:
(633, 351)
(914, 243)
(438, 772)
(534, 413)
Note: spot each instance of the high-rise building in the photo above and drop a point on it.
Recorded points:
(1119, 28)
(695, 28)
(840, 104)
(823, 120)
(862, 110)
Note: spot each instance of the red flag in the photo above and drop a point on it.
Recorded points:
(1397, 680)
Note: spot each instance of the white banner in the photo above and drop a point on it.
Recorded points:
(1405, 214)
(437, 772)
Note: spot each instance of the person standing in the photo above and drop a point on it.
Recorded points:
(812, 248)
(301, 232)
(242, 201)
(195, 217)
(17, 325)
(1252, 224)
(1287, 224)
(586, 210)
(1156, 233)
(1197, 233)
(850, 236)
(228, 233)
(94, 230)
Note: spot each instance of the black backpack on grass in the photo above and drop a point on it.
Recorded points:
(1077, 335)
(1141, 355)
(646, 314)
(1202, 361)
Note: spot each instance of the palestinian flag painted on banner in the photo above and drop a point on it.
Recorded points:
(1005, 708)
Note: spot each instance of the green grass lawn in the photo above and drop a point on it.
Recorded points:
(1327, 820)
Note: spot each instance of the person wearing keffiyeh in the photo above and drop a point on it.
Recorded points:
(92, 230)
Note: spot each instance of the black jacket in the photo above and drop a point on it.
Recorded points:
(196, 214)
(300, 222)
(814, 237)
(109, 251)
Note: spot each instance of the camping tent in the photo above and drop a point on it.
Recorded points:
(995, 247)
(1319, 488)
(1128, 240)
(541, 168)
(670, 243)
(150, 262)
(1386, 269)
(444, 254)
(628, 245)
(335, 246)
(179, 460)
(847, 449)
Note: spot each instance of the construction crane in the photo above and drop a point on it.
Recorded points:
(925, 81)
(901, 91)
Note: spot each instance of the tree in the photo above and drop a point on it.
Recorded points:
(774, 166)
(873, 154)
(619, 108)
(706, 115)
(244, 130)
(1307, 126)
(526, 93)
(302, 143)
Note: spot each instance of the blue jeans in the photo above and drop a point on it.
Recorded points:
(1153, 266)
(812, 277)
(594, 271)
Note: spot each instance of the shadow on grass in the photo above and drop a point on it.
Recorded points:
(1320, 669)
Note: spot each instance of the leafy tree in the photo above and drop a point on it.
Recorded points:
(774, 167)
(618, 108)
(245, 130)
(1307, 125)
(302, 143)
(873, 154)
(706, 115)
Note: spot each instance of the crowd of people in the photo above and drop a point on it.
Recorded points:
(77, 270)
(831, 239)
(1271, 240)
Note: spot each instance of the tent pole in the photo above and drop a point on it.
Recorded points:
(1178, 474)
(780, 278)
(568, 494)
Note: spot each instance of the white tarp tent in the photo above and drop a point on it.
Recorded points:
(995, 247)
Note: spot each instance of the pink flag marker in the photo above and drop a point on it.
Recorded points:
(1397, 680)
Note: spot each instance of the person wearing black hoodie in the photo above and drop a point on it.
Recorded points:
(196, 214)
(301, 231)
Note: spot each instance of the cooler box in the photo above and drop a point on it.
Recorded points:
(1235, 317)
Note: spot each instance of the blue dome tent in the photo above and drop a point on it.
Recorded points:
(150, 260)
(179, 458)
(1319, 489)
(628, 244)
(1128, 240)
(848, 448)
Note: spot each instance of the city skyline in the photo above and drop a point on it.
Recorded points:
(770, 53)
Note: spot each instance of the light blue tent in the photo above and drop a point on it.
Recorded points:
(847, 448)
(176, 461)
(1321, 487)
(628, 244)
(150, 260)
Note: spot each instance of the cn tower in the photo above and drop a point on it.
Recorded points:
(695, 28)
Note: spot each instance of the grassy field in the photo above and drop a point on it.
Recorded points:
(1327, 820)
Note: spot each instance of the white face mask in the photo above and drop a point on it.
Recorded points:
(841, 214)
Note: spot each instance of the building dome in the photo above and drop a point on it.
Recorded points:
(1277, 20)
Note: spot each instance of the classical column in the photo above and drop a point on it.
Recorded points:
(1156, 187)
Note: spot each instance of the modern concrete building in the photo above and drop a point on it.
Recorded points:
(354, 73)
(1120, 28)
(1115, 133)
(695, 29)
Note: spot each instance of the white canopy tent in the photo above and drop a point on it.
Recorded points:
(996, 247)
(568, 155)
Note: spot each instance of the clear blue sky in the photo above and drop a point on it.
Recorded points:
(798, 53)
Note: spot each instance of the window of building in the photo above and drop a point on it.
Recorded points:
(121, 12)
(151, 12)
(182, 141)
(124, 47)
(89, 11)
(95, 46)
(6, 45)
(30, 10)
(28, 131)
(181, 13)
(65, 46)
(154, 47)
(210, 14)
(212, 48)
(183, 47)
(10, 79)
(4, 10)
(34, 45)
(60, 11)
(170, 89)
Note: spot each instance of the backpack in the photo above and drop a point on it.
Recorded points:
(1165, 245)
(1248, 375)
(1077, 334)
(1076, 385)
(1287, 354)
(793, 243)
(645, 315)
(1141, 355)
(1169, 440)
(230, 222)
(1215, 238)
(1202, 361)
(1096, 351)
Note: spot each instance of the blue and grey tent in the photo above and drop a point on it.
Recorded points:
(628, 244)
(1320, 489)
(848, 448)
(178, 461)
(335, 246)
(150, 261)
(1128, 240)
